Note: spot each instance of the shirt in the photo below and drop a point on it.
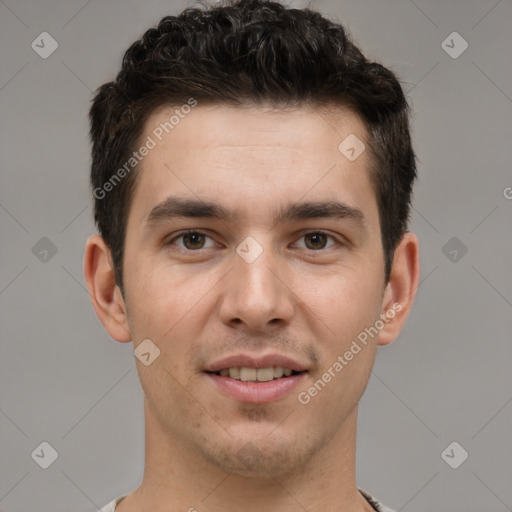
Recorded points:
(379, 507)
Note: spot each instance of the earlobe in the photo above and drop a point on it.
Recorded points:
(401, 289)
(105, 295)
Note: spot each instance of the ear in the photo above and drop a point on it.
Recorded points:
(401, 289)
(105, 295)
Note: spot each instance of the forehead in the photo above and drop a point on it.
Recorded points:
(306, 130)
(233, 154)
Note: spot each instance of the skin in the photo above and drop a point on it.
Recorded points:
(198, 301)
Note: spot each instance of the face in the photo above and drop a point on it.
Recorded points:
(232, 276)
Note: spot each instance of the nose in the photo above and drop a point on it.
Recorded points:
(257, 293)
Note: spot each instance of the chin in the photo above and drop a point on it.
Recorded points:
(261, 456)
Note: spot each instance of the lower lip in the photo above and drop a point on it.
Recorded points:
(256, 392)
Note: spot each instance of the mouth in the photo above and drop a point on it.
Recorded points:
(256, 380)
(246, 374)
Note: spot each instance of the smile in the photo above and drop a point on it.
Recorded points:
(256, 378)
(246, 374)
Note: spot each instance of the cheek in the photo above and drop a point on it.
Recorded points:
(163, 294)
(349, 307)
(347, 299)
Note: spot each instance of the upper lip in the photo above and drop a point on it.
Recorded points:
(253, 361)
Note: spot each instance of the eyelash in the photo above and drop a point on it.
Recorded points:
(194, 232)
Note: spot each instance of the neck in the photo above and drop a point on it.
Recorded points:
(176, 477)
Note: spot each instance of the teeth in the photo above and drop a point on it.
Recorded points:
(265, 374)
(278, 372)
(234, 373)
(247, 374)
(252, 374)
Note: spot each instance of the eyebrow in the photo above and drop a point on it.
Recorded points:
(174, 207)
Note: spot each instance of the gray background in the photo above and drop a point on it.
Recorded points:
(446, 378)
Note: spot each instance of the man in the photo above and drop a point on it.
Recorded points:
(252, 175)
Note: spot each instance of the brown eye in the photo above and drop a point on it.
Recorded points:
(191, 241)
(316, 240)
